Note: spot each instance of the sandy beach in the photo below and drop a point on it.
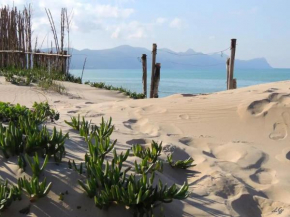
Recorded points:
(238, 139)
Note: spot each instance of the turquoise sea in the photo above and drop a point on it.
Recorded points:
(183, 81)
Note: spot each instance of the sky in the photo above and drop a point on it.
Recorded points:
(262, 28)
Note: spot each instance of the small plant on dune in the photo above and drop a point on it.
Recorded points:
(152, 154)
(42, 111)
(145, 167)
(104, 130)
(127, 92)
(85, 127)
(10, 140)
(75, 167)
(35, 165)
(99, 147)
(108, 181)
(75, 123)
(139, 194)
(21, 162)
(34, 188)
(183, 164)
(8, 194)
(55, 145)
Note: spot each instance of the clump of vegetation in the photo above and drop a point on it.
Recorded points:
(34, 188)
(24, 134)
(82, 126)
(183, 164)
(40, 112)
(43, 78)
(8, 194)
(151, 154)
(35, 165)
(108, 181)
(127, 92)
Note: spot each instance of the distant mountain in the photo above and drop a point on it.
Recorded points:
(127, 57)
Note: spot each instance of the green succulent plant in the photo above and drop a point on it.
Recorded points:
(35, 165)
(8, 194)
(183, 164)
(75, 167)
(34, 188)
(146, 167)
(11, 142)
(22, 162)
(75, 123)
(140, 194)
(104, 130)
(151, 154)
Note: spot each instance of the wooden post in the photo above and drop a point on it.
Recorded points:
(234, 83)
(232, 62)
(64, 60)
(144, 78)
(228, 72)
(83, 69)
(154, 51)
(156, 79)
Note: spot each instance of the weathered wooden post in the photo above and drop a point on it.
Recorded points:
(156, 79)
(154, 51)
(83, 69)
(234, 83)
(144, 78)
(64, 61)
(228, 73)
(232, 62)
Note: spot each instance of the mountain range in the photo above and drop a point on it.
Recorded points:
(128, 57)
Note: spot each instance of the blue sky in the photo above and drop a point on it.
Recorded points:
(261, 27)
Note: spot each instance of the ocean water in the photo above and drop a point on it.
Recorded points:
(183, 81)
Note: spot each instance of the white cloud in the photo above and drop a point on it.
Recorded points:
(176, 23)
(130, 30)
(161, 20)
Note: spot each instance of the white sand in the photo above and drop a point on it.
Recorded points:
(238, 138)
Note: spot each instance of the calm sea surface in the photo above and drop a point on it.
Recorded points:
(183, 81)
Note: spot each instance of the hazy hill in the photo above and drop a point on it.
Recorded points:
(127, 57)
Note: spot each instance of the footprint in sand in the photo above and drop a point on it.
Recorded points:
(72, 112)
(246, 205)
(264, 176)
(129, 123)
(136, 141)
(89, 103)
(279, 131)
(184, 117)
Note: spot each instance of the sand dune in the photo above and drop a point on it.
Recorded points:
(238, 138)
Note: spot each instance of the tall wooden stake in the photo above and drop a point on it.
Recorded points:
(156, 80)
(232, 62)
(144, 78)
(154, 51)
(228, 73)
(83, 69)
(64, 63)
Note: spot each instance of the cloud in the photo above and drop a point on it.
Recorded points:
(161, 20)
(177, 23)
(130, 30)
